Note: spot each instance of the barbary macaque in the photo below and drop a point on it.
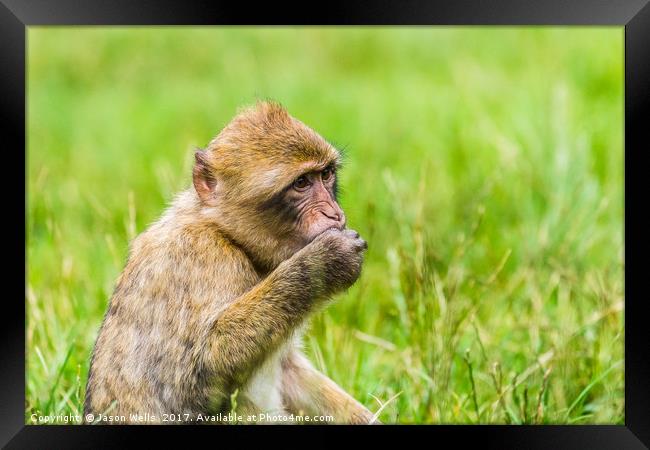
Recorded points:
(216, 294)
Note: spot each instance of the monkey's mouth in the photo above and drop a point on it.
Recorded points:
(318, 233)
(337, 227)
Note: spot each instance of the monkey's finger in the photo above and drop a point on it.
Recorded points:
(351, 233)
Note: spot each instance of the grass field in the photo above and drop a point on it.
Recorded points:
(484, 166)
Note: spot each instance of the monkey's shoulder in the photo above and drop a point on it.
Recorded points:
(188, 245)
(181, 266)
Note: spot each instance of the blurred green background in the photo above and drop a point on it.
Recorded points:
(483, 165)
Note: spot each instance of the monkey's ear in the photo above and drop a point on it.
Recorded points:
(204, 179)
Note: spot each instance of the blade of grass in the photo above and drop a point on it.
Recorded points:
(58, 378)
(586, 390)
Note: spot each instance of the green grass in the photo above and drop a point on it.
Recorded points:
(483, 165)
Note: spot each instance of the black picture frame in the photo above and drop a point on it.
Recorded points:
(634, 15)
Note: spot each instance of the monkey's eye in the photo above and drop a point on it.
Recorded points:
(327, 173)
(301, 183)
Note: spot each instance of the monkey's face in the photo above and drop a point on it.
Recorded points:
(309, 206)
(273, 225)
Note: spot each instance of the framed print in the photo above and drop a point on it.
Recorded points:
(407, 216)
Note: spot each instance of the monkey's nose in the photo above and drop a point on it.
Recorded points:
(332, 215)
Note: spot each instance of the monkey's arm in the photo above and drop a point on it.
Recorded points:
(259, 321)
(256, 323)
(307, 391)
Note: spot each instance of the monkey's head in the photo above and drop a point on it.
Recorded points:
(269, 182)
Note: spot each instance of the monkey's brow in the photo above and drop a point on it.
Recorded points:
(319, 166)
(331, 166)
(309, 167)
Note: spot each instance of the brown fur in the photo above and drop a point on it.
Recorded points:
(215, 294)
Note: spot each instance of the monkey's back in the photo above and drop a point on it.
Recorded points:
(149, 357)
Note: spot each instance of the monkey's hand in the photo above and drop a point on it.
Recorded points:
(339, 256)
